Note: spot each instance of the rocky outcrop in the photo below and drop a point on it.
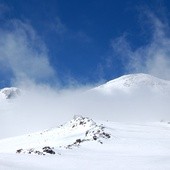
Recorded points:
(79, 130)
(43, 151)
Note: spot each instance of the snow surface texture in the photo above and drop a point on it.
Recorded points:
(144, 146)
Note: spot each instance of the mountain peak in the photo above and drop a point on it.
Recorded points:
(73, 134)
(134, 81)
(9, 92)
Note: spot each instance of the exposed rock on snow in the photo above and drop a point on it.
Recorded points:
(79, 130)
(143, 146)
(42, 151)
(94, 133)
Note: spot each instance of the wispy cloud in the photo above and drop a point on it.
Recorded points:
(153, 57)
(58, 26)
(23, 53)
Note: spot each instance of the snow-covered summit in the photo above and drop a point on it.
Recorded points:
(78, 122)
(9, 92)
(135, 81)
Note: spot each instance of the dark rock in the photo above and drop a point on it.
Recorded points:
(78, 141)
(86, 133)
(19, 150)
(47, 149)
(81, 123)
(107, 135)
(95, 137)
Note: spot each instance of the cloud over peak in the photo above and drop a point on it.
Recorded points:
(152, 58)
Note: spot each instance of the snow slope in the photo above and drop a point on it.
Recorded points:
(144, 146)
(75, 132)
(132, 82)
(83, 143)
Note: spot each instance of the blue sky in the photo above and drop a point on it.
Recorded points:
(82, 41)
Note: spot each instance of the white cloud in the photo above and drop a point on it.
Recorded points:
(152, 58)
(23, 53)
(40, 107)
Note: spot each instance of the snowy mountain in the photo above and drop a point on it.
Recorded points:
(78, 131)
(9, 92)
(84, 144)
(126, 83)
(133, 82)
